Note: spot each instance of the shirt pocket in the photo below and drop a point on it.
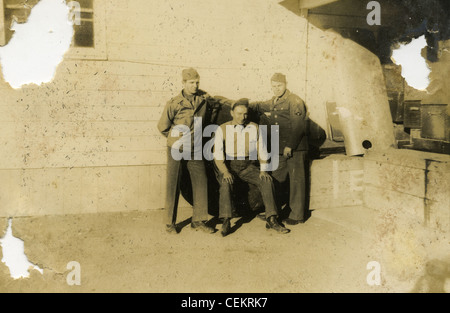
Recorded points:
(184, 116)
(281, 115)
(283, 110)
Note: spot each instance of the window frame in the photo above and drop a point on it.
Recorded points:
(98, 52)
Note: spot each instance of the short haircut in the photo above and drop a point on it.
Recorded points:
(240, 103)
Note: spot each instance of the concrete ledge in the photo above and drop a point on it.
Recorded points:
(412, 183)
(394, 177)
(409, 158)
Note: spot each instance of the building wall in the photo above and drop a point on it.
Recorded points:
(87, 142)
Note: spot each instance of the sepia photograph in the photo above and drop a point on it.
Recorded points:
(225, 151)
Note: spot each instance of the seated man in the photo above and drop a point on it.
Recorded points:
(235, 155)
(248, 201)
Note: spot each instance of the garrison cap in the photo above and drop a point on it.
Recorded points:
(189, 74)
(278, 77)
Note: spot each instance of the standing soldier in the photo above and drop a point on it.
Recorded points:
(288, 111)
(191, 105)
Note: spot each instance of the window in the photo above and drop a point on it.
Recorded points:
(84, 35)
(89, 41)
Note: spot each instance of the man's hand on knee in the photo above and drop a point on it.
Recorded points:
(287, 153)
(228, 178)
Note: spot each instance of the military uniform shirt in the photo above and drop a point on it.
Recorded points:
(179, 111)
(289, 113)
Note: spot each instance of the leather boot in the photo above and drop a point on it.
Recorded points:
(171, 229)
(272, 224)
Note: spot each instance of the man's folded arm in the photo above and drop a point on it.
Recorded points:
(223, 101)
(260, 106)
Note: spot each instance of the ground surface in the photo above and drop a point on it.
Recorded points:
(131, 252)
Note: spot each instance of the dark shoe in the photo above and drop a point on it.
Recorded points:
(171, 229)
(226, 227)
(290, 221)
(272, 224)
(203, 227)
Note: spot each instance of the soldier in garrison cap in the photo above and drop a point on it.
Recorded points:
(180, 112)
(288, 111)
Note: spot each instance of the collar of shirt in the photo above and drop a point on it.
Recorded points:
(242, 126)
(278, 100)
(196, 102)
(190, 98)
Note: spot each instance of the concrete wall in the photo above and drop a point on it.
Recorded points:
(414, 183)
(404, 182)
(337, 181)
(341, 71)
(87, 142)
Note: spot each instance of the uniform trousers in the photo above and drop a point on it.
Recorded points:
(294, 170)
(197, 173)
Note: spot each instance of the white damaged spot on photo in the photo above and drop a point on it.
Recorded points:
(14, 255)
(37, 47)
(414, 66)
